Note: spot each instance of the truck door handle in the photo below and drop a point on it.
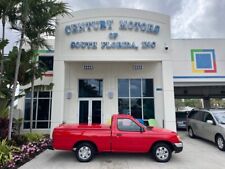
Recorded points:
(118, 134)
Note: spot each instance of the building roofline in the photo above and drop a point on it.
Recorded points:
(114, 12)
(130, 9)
(197, 38)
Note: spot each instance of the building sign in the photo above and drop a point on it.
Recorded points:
(124, 25)
(203, 61)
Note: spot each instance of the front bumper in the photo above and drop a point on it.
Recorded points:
(178, 147)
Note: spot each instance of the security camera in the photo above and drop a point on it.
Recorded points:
(166, 47)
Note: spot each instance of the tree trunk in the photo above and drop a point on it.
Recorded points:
(2, 59)
(34, 48)
(31, 103)
(23, 20)
(15, 84)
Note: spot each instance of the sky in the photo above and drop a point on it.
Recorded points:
(189, 18)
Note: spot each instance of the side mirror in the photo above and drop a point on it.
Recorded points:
(209, 122)
(142, 129)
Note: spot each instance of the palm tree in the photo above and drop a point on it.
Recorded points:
(27, 71)
(35, 71)
(34, 18)
(3, 117)
(22, 19)
(42, 24)
(4, 92)
(3, 43)
(7, 12)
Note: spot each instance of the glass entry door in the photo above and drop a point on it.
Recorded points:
(90, 111)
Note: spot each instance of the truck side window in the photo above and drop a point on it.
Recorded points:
(127, 125)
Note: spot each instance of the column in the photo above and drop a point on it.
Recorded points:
(206, 102)
(168, 95)
(58, 94)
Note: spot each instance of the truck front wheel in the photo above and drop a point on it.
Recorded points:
(84, 152)
(161, 152)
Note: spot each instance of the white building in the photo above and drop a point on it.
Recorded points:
(109, 61)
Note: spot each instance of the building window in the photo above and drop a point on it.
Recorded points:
(41, 110)
(90, 87)
(136, 97)
(47, 62)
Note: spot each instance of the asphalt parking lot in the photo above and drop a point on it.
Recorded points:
(197, 154)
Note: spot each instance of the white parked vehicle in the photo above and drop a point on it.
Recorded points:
(207, 124)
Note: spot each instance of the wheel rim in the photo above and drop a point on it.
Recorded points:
(220, 142)
(162, 153)
(190, 132)
(84, 152)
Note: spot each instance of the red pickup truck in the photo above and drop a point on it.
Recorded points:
(125, 134)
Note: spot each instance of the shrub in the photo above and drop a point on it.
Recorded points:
(16, 126)
(4, 110)
(33, 137)
(4, 121)
(19, 140)
(19, 156)
(6, 152)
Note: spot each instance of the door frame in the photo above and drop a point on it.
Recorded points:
(90, 100)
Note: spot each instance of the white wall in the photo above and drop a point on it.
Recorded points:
(65, 53)
(111, 64)
(110, 73)
(181, 57)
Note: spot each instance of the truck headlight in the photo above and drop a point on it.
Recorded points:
(178, 137)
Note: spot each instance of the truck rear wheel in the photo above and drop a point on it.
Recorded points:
(162, 152)
(84, 152)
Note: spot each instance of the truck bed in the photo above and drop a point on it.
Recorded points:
(68, 135)
(85, 126)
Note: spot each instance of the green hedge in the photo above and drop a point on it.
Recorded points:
(6, 152)
(31, 137)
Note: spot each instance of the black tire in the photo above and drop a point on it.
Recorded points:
(161, 152)
(191, 133)
(220, 143)
(84, 152)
